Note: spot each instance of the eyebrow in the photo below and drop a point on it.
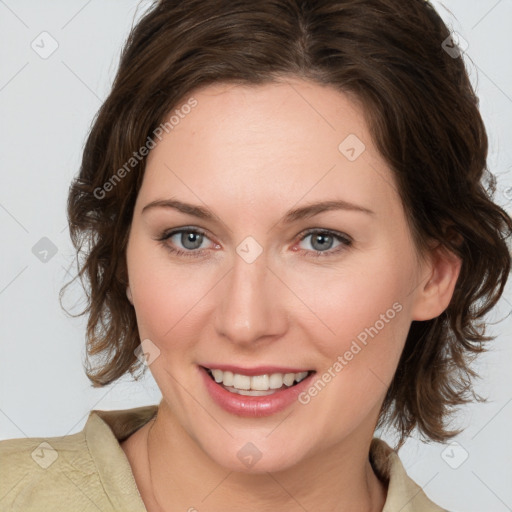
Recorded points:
(294, 215)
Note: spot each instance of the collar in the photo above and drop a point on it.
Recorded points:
(105, 430)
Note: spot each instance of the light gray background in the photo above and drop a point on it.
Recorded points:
(47, 105)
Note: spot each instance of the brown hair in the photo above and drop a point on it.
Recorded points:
(424, 119)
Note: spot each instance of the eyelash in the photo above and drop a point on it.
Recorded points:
(346, 242)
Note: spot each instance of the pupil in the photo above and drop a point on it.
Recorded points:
(188, 238)
(322, 240)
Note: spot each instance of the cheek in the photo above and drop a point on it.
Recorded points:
(368, 309)
(359, 363)
(365, 300)
(167, 294)
(166, 301)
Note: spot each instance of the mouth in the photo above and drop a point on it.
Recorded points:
(263, 384)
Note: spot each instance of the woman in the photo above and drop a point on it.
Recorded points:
(281, 209)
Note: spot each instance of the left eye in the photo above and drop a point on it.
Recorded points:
(322, 241)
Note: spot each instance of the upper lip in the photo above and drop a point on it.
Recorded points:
(256, 370)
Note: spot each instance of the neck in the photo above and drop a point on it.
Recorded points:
(181, 476)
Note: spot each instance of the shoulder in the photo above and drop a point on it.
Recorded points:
(86, 471)
(37, 470)
(55, 473)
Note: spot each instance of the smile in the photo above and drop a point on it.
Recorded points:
(264, 392)
(255, 385)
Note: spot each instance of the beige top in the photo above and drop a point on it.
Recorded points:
(89, 471)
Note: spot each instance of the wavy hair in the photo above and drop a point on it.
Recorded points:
(423, 116)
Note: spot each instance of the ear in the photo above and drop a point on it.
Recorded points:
(129, 294)
(438, 279)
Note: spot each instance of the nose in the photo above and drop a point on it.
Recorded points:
(251, 309)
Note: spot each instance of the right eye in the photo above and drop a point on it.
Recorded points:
(189, 238)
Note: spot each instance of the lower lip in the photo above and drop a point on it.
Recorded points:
(253, 406)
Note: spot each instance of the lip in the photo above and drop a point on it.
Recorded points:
(257, 370)
(253, 406)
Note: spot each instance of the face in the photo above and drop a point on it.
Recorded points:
(256, 289)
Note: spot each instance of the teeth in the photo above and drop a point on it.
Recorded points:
(257, 383)
(217, 375)
(289, 378)
(227, 378)
(249, 392)
(276, 380)
(241, 381)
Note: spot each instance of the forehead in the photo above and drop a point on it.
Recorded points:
(270, 144)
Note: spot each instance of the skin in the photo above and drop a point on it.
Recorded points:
(249, 154)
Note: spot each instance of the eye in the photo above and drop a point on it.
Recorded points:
(322, 242)
(190, 239)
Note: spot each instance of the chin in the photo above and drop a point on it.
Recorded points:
(257, 455)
